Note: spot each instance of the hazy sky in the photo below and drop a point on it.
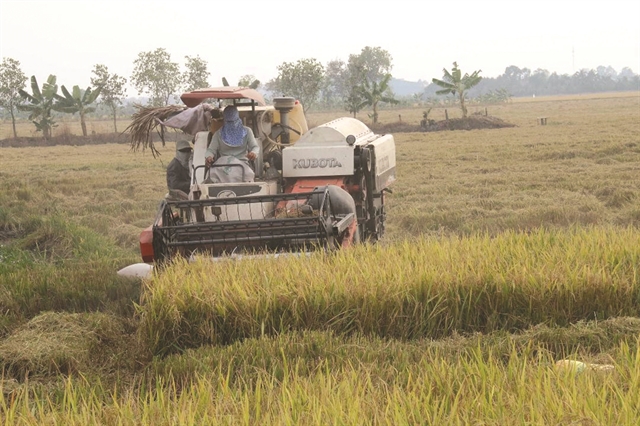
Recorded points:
(67, 38)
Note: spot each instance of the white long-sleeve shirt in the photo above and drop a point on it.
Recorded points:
(218, 148)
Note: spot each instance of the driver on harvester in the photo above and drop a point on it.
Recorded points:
(234, 143)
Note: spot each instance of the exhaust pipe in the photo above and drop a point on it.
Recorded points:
(284, 106)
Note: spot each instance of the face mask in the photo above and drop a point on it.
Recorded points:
(185, 158)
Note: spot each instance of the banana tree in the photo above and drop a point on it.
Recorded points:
(456, 84)
(40, 104)
(77, 101)
(353, 102)
(374, 93)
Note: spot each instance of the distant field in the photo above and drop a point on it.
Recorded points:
(506, 251)
(68, 126)
(554, 107)
(522, 112)
(581, 168)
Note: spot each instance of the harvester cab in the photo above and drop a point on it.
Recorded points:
(313, 188)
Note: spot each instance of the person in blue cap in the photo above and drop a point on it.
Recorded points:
(233, 139)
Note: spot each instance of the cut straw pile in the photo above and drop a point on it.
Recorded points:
(60, 343)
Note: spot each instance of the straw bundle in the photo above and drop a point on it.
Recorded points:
(145, 121)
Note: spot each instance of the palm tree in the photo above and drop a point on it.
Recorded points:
(40, 104)
(374, 93)
(454, 83)
(77, 101)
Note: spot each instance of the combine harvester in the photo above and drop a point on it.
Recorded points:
(321, 188)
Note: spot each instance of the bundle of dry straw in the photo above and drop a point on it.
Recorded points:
(145, 121)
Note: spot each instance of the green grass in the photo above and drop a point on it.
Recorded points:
(56, 265)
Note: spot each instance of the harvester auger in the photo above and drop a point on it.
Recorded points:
(314, 188)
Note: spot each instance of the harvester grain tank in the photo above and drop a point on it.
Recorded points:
(314, 188)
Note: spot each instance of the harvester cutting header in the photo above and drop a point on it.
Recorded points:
(303, 189)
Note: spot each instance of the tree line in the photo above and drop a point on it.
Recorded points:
(519, 82)
(43, 101)
(362, 80)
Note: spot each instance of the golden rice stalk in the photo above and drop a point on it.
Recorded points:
(145, 121)
(295, 211)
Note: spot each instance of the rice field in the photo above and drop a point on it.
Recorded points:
(412, 290)
(507, 250)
